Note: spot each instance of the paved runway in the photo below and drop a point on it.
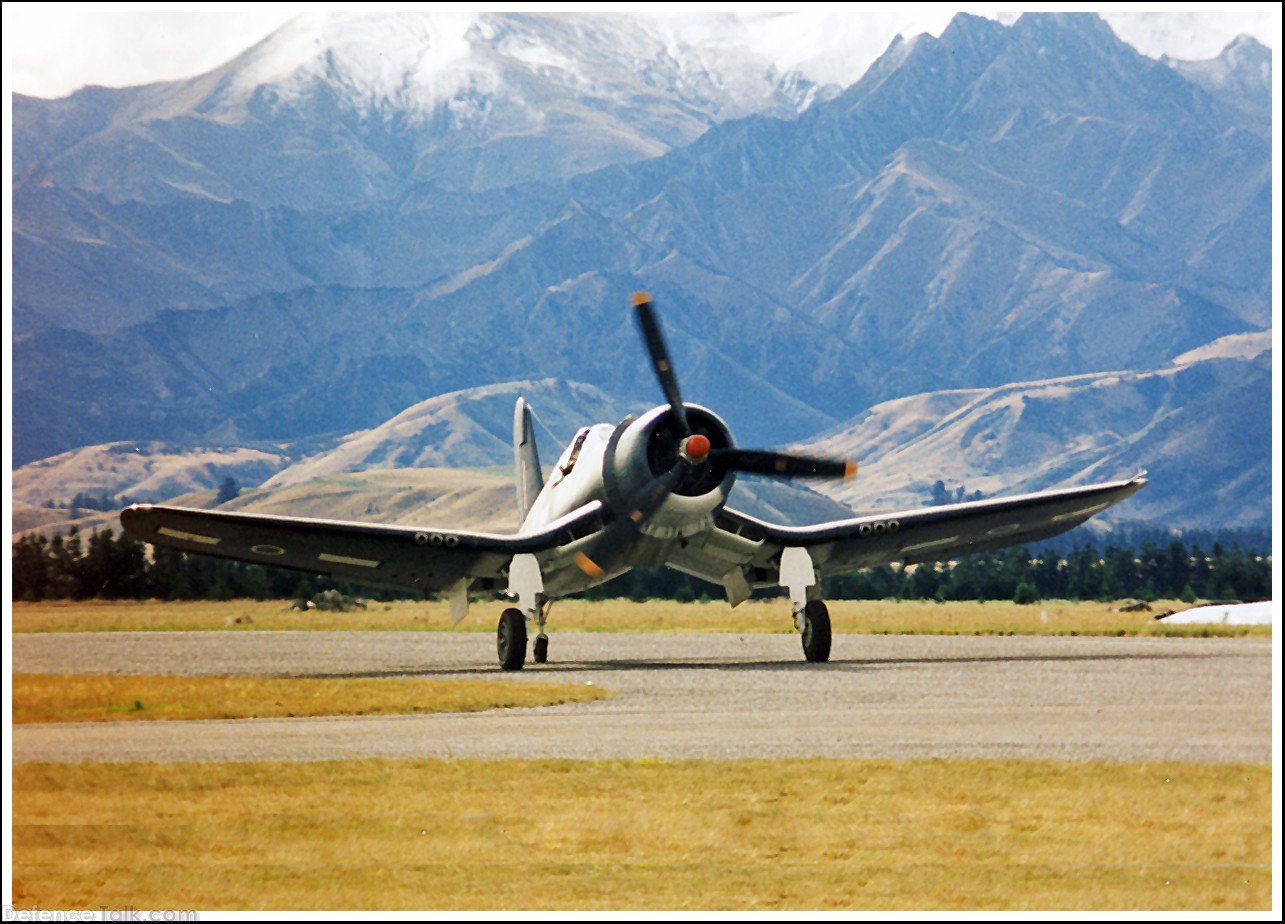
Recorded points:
(704, 696)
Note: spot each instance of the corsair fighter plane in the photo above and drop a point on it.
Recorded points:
(651, 490)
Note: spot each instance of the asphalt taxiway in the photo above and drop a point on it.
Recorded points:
(702, 695)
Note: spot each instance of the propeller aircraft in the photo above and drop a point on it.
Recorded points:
(651, 490)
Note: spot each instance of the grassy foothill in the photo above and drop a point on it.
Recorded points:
(746, 835)
(110, 698)
(1051, 617)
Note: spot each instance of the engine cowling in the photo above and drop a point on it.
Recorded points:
(649, 447)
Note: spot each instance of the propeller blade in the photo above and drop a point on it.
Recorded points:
(624, 529)
(655, 341)
(784, 464)
(693, 450)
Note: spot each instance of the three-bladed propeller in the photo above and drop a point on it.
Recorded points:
(692, 450)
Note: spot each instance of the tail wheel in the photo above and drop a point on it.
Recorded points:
(816, 632)
(510, 639)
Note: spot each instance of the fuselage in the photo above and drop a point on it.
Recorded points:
(611, 464)
(576, 478)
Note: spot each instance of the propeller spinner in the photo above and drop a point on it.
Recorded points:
(692, 451)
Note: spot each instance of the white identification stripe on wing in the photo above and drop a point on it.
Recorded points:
(920, 546)
(1004, 530)
(346, 560)
(1082, 512)
(188, 537)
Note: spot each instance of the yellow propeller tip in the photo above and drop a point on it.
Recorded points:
(850, 471)
(641, 298)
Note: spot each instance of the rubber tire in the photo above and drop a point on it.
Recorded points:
(816, 632)
(510, 639)
(540, 654)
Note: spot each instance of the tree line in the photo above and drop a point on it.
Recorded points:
(107, 566)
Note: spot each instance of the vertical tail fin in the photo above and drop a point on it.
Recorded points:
(526, 460)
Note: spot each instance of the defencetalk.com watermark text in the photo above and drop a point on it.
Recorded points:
(101, 913)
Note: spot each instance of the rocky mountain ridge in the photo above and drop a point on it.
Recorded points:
(203, 262)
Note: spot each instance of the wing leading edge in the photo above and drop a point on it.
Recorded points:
(404, 557)
(929, 533)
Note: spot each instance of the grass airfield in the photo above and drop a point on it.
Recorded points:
(701, 835)
(131, 698)
(791, 834)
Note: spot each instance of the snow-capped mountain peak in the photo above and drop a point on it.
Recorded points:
(1240, 76)
(417, 62)
(417, 59)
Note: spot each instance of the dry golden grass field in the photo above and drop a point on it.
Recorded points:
(1051, 617)
(108, 698)
(746, 835)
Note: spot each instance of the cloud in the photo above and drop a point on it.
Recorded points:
(52, 50)
(1195, 36)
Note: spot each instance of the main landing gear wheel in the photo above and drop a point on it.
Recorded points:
(816, 632)
(541, 649)
(510, 639)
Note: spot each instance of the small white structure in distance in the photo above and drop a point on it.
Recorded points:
(1228, 614)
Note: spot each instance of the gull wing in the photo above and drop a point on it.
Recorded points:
(414, 558)
(912, 536)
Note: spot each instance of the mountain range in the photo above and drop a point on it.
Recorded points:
(1024, 226)
(1195, 425)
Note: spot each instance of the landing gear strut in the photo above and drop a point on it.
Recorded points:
(811, 617)
(525, 583)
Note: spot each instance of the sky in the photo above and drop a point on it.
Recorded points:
(53, 49)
